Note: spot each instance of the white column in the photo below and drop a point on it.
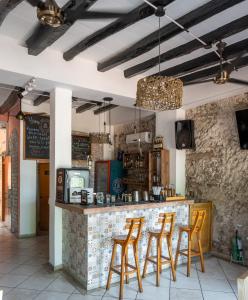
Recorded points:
(165, 126)
(60, 156)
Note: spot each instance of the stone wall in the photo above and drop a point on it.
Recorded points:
(14, 192)
(218, 169)
(146, 124)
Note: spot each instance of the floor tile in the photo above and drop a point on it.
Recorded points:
(7, 267)
(232, 271)
(25, 270)
(46, 295)
(36, 261)
(214, 271)
(37, 282)
(4, 290)
(9, 280)
(61, 285)
(185, 294)
(153, 292)
(150, 279)
(85, 297)
(21, 294)
(184, 282)
(208, 295)
(97, 292)
(216, 285)
(234, 286)
(182, 270)
(129, 292)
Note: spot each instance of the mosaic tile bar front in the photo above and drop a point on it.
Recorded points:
(87, 244)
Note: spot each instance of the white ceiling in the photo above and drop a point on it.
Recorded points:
(20, 23)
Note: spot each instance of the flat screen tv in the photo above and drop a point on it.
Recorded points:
(242, 122)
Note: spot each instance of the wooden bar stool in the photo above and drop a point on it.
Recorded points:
(132, 238)
(164, 219)
(195, 229)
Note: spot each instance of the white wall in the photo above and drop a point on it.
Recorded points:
(28, 178)
(165, 126)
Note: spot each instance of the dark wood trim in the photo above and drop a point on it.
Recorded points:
(211, 37)
(85, 107)
(205, 60)
(141, 12)
(144, 45)
(45, 36)
(5, 8)
(211, 72)
(41, 99)
(104, 108)
(11, 100)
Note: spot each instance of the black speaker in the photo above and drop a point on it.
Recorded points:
(242, 122)
(185, 134)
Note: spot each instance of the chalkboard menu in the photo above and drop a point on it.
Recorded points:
(37, 140)
(80, 147)
(37, 137)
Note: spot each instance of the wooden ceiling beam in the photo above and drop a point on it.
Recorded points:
(209, 38)
(204, 61)
(141, 12)
(11, 100)
(167, 32)
(85, 107)
(6, 6)
(104, 108)
(44, 35)
(211, 72)
(41, 99)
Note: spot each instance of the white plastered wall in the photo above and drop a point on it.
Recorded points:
(165, 126)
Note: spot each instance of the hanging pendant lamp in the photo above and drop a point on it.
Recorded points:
(100, 137)
(20, 115)
(159, 92)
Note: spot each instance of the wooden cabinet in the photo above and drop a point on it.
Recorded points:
(206, 236)
(159, 168)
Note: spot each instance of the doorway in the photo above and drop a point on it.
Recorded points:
(43, 198)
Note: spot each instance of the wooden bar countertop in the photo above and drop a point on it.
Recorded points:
(115, 207)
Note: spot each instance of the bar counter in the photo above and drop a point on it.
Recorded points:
(88, 232)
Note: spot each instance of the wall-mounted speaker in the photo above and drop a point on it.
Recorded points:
(185, 134)
(242, 122)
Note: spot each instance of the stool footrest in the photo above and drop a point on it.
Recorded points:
(114, 269)
(153, 259)
(185, 252)
(130, 266)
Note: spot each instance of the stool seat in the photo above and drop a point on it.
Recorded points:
(122, 238)
(160, 234)
(157, 232)
(185, 228)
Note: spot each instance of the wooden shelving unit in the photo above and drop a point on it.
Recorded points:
(159, 168)
(136, 167)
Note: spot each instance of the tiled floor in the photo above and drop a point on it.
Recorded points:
(25, 275)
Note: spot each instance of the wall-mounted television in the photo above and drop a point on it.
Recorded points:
(242, 122)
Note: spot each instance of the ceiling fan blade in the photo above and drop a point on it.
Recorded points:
(238, 81)
(232, 65)
(198, 82)
(88, 15)
(36, 3)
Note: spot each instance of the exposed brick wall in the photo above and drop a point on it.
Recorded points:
(218, 169)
